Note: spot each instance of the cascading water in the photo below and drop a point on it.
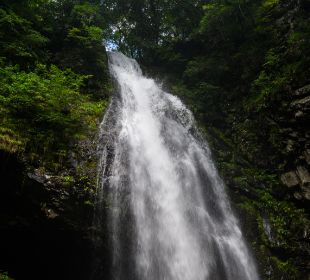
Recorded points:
(168, 213)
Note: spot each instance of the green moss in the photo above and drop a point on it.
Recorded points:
(43, 111)
(286, 269)
(88, 203)
(68, 180)
(9, 142)
(269, 3)
(286, 221)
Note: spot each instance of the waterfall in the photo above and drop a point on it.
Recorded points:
(167, 212)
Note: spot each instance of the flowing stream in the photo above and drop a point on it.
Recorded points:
(168, 215)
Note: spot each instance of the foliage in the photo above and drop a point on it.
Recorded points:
(43, 110)
(80, 28)
(53, 75)
(19, 42)
(139, 28)
(5, 276)
(284, 226)
(54, 89)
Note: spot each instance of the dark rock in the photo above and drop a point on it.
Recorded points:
(290, 179)
(290, 146)
(268, 232)
(286, 130)
(301, 103)
(302, 91)
(299, 114)
(306, 192)
(34, 176)
(298, 196)
(306, 154)
(50, 213)
(294, 134)
(303, 175)
(44, 225)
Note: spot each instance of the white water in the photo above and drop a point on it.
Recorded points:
(169, 216)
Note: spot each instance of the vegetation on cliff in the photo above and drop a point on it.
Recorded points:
(54, 89)
(54, 77)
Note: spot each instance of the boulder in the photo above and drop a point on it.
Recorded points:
(302, 91)
(306, 192)
(299, 114)
(50, 213)
(307, 155)
(298, 196)
(303, 175)
(301, 103)
(290, 146)
(290, 179)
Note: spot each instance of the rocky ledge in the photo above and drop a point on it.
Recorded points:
(46, 218)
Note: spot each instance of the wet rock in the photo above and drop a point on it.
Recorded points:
(302, 91)
(286, 130)
(306, 154)
(290, 179)
(267, 229)
(294, 134)
(37, 177)
(44, 223)
(50, 213)
(303, 175)
(290, 146)
(306, 192)
(40, 177)
(298, 196)
(301, 103)
(299, 114)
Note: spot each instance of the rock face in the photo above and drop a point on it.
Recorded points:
(306, 155)
(302, 103)
(297, 135)
(45, 222)
(290, 179)
(304, 175)
(299, 180)
(302, 91)
(269, 181)
(294, 163)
